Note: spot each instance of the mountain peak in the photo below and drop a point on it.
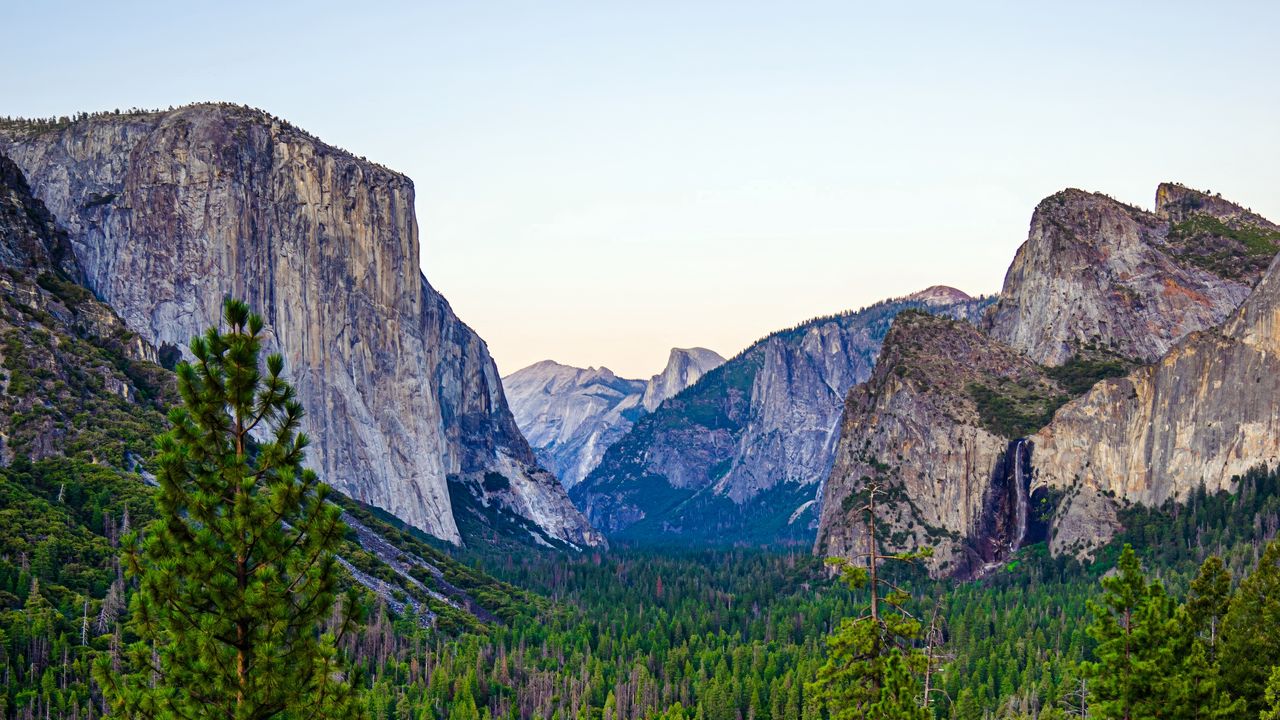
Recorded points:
(684, 367)
(1088, 259)
(939, 295)
(1178, 203)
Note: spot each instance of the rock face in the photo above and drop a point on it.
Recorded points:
(740, 455)
(29, 235)
(926, 424)
(1205, 412)
(1097, 285)
(1096, 272)
(685, 366)
(572, 415)
(169, 212)
(74, 380)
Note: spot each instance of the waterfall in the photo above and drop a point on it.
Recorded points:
(1021, 509)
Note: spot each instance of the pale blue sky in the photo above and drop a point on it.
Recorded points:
(597, 182)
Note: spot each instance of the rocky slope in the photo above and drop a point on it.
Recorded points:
(935, 422)
(169, 212)
(1204, 413)
(572, 415)
(1094, 271)
(1097, 287)
(740, 455)
(75, 380)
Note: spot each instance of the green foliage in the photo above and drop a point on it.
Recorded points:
(60, 593)
(1082, 372)
(72, 386)
(1251, 632)
(1256, 240)
(1133, 626)
(237, 575)
(1234, 250)
(873, 665)
(1013, 410)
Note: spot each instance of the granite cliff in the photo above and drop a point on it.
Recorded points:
(81, 399)
(951, 415)
(685, 366)
(740, 455)
(937, 419)
(1095, 271)
(572, 415)
(169, 212)
(75, 381)
(1204, 413)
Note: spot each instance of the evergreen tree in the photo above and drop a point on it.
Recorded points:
(966, 706)
(1208, 601)
(1131, 625)
(1195, 678)
(1272, 711)
(1251, 632)
(237, 575)
(874, 666)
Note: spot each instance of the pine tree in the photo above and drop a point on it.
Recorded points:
(966, 706)
(1250, 644)
(1208, 601)
(873, 666)
(1131, 626)
(1272, 711)
(1196, 678)
(237, 574)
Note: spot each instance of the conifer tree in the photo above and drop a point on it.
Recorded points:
(237, 575)
(1272, 698)
(874, 665)
(1197, 676)
(1207, 603)
(1250, 645)
(1152, 661)
(1130, 626)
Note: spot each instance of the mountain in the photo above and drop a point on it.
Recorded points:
(936, 420)
(739, 456)
(1095, 271)
(572, 415)
(1098, 289)
(168, 212)
(1201, 416)
(685, 366)
(81, 399)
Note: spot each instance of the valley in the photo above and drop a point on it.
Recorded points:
(565, 543)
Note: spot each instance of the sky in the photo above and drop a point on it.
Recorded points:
(598, 182)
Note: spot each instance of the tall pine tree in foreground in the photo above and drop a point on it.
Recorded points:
(874, 663)
(237, 577)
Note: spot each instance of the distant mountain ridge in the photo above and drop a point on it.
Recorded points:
(740, 455)
(572, 415)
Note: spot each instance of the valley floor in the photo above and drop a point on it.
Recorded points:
(715, 635)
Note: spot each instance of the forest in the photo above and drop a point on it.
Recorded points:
(717, 635)
(1178, 617)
